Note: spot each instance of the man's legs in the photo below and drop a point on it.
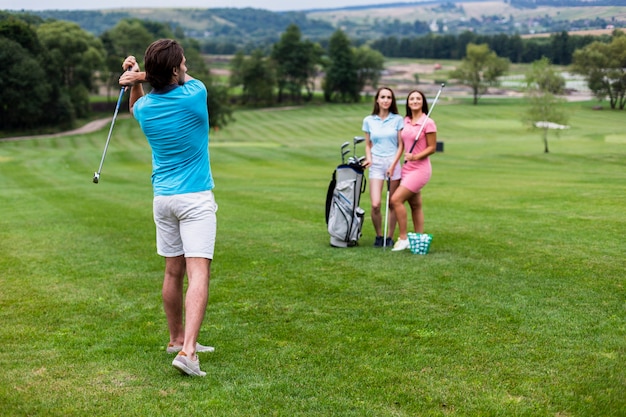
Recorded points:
(196, 299)
(173, 298)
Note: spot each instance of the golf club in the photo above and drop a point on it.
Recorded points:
(357, 140)
(343, 155)
(427, 117)
(386, 215)
(96, 175)
(344, 151)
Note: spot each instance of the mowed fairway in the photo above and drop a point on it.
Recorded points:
(518, 310)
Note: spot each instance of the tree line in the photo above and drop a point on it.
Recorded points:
(558, 48)
(51, 68)
(227, 30)
(288, 72)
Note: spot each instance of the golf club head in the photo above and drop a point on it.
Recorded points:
(96, 177)
(358, 139)
(343, 155)
(344, 146)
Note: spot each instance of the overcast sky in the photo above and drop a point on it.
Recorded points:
(274, 5)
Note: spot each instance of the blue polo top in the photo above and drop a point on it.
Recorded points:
(176, 124)
(383, 133)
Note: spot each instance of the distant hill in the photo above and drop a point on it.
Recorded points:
(231, 28)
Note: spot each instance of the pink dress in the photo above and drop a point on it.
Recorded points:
(416, 174)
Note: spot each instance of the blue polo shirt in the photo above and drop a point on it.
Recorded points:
(176, 124)
(383, 133)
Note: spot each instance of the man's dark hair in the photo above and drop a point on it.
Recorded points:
(161, 58)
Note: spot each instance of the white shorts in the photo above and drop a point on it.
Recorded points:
(379, 167)
(185, 224)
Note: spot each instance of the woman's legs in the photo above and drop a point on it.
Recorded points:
(417, 212)
(393, 186)
(376, 187)
(398, 198)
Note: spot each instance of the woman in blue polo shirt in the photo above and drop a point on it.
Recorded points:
(382, 138)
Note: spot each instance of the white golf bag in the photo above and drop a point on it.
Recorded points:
(344, 217)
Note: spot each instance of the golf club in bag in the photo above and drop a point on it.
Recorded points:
(344, 217)
(96, 175)
(344, 151)
(427, 117)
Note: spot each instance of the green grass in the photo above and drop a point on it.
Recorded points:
(518, 310)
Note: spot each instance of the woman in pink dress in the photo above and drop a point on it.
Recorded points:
(416, 170)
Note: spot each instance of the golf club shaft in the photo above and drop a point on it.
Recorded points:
(96, 175)
(106, 145)
(427, 117)
(386, 214)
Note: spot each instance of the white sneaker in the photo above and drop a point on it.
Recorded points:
(186, 366)
(199, 348)
(401, 244)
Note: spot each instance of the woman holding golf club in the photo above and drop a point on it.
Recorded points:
(419, 139)
(382, 153)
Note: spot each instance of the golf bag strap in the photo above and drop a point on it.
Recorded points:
(329, 193)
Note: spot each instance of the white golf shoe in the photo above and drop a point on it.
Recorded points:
(401, 244)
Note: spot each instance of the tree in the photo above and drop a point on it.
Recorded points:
(480, 69)
(73, 57)
(341, 81)
(561, 50)
(604, 66)
(24, 89)
(128, 37)
(236, 69)
(21, 32)
(543, 85)
(370, 64)
(220, 110)
(296, 64)
(257, 77)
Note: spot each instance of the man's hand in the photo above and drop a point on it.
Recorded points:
(130, 64)
(131, 75)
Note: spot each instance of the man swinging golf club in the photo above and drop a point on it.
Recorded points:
(174, 117)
